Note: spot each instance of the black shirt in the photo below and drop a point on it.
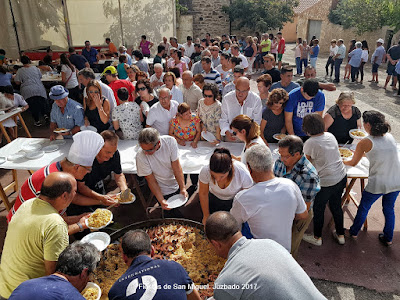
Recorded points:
(275, 74)
(340, 126)
(94, 180)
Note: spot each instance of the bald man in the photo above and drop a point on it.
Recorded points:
(242, 101)
(37, 234)
(254, 265)
(191, 92)
(311, 73)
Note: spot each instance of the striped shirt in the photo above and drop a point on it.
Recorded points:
(31, 187)
(213, 77)
(303, 174)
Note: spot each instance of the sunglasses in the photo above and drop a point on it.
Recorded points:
(208, 96)
(152, 149)
(141, 88)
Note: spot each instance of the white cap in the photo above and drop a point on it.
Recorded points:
(380, 41)
(85, 147)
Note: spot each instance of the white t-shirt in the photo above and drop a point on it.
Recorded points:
(158, 117)
(154, 78)
(257, 141)
(19, 101)
(176, 93)
(159, 164)
(189, 50)
(269, 208)
(325, 156)
(73, 81)
(241, 180)
(244, 63)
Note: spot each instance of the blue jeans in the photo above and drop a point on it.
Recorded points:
(313, 62)
(367, 199)
(298, 65)
(303, 61)
(338, 62)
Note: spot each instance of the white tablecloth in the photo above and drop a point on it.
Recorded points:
(10, 114)
(191, 160)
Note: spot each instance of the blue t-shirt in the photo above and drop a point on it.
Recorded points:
(46, 288)
(300, 107)
(91, 55)
(152, 279)
(5, 79)
(315, 51)
(292, 85)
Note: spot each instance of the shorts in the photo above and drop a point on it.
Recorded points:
(280, 56)
(391, 69)
(375, 68)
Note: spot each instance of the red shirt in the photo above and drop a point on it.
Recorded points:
(281, 46)
(31, 187)
(119, 83)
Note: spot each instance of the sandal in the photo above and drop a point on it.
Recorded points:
(384, 241)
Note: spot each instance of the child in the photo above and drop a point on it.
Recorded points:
(127, 116)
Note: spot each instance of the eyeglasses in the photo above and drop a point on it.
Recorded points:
(152, 149)
(164, 98)
(239, 91)
(208, 96)
(94, 92)
(142, 88)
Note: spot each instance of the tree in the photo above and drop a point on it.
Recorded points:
(367, 15)
(260, 15)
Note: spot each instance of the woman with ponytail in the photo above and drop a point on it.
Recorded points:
(248, 131)
(383, 180)
(220, 181)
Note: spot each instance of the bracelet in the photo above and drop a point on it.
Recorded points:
(80, 226)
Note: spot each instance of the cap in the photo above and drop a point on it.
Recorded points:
(109, 70)
(380, 41)
(58, 92)
(85, 147)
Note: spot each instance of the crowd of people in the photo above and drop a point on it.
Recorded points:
(250, 203)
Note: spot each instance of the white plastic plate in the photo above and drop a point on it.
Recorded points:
(176, 201)
(50, 148)
(16, 156)
(61, 131)
(92, 284)
(100, 239)
(346, 158)
(2, 160)
(128, 202)
(208, 136)
(203, 150)
(279, 136)
(356, 136)
(28, 147)
(97, 228)
(35, 154)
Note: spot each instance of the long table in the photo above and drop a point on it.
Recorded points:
(192, 160)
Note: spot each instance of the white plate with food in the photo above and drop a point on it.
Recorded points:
(58, 142)
(203, 150)
(345, 153)
(50, 148)
(99, 219)
(92, 291)
(17, 156)
(279, 136)
(100, 239)
(132, 198)
(176, 201)
(61, 130)
(28, 147)
(357, 133)
(208, 136)
(91, 128)
(34, 154)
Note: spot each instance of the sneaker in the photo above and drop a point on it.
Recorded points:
(339, 238)
(383, 240)
(348, 234)
(46, 119)
(38, 124)
(309, 238)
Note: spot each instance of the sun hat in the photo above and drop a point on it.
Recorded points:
(380, 41)
(85, 147)
(58, 92)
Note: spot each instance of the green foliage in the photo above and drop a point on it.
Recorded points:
(181, 8)
(260, 15)
(366, 15)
